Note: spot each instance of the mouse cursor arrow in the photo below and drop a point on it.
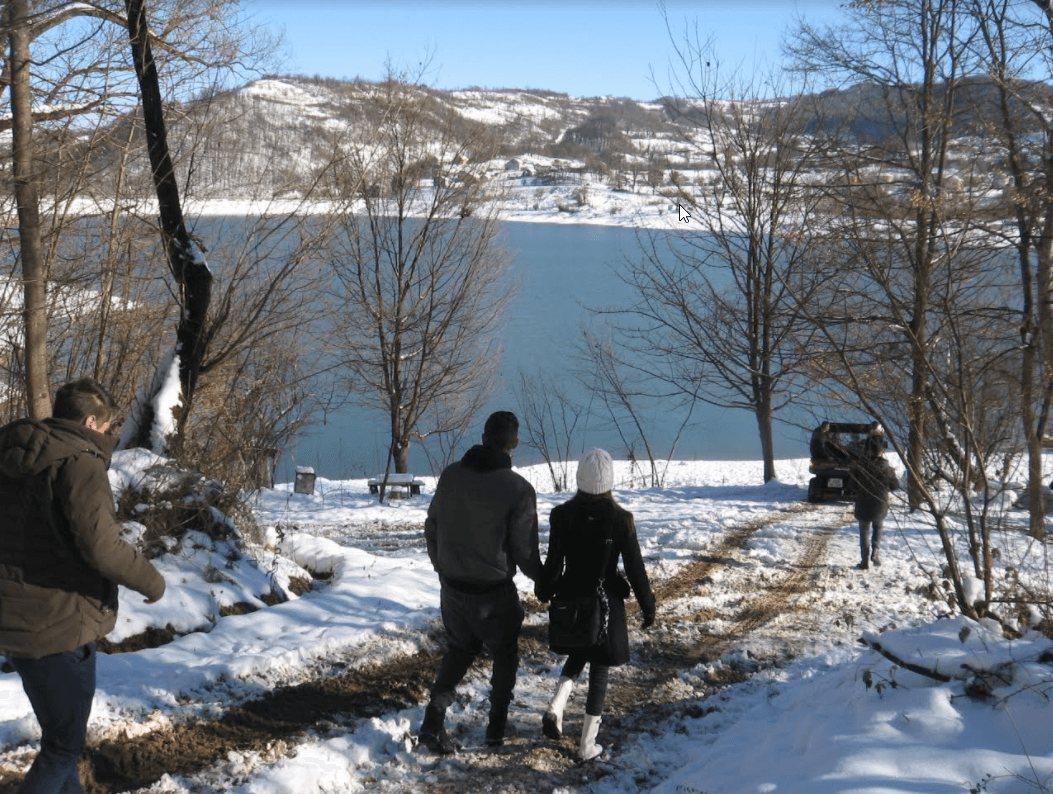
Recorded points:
(683, 216)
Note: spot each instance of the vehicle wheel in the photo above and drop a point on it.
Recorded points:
(815, 493)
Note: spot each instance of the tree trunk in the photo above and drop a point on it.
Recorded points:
(109, 277)
(1036, 502)
(34, 284)
(400, 436)
(191, 273)
(401, 458)
(764, 427)
(1044, 339)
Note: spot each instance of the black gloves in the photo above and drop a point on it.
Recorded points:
(648, 620)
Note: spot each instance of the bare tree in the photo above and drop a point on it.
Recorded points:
(1018, 121)
(421, 278)
(86, 71)
(626, 392)
(714, 318)
(18, 23)
(894, 154)
(185, 259)
(550, 420)
(916, 322)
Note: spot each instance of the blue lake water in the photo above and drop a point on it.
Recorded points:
(562, 271)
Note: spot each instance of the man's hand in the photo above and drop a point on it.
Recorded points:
(156, 593)
(648, 620)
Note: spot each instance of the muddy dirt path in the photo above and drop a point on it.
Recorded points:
(648, 691)
(644, 692)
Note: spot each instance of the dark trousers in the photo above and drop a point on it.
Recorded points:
(60, 689)
(473, 620)
(599, 675)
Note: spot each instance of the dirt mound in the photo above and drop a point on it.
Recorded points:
(265, 725)
(153, 637)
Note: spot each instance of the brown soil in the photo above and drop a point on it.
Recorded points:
(153, 637)
(266, 725)
(640, 694)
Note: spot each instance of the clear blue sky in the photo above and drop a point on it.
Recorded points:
(580, 47)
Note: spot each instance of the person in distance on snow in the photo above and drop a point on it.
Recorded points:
(874, 478)
(61, 559)
(579, 529)
(481, 526)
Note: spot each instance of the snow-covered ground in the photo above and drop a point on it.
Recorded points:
(836, 717)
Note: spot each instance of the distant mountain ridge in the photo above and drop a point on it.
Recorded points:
(277, 131)
(272, 136)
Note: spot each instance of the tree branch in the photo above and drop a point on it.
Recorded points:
(870, 642)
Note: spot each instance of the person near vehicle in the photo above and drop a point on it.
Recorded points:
(819, 446)
(875, 478)
(577, 540)
(481, 526)
(61, 560)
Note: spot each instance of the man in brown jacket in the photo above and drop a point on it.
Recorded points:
(61, 559)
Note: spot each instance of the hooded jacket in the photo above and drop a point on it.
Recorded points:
(61, 555)
(875, 478)
(482, 522)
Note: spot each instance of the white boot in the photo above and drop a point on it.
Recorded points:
(552, 722)
(589, 749)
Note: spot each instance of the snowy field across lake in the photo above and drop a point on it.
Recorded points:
(752, 681)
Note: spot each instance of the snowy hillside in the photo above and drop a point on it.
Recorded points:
(595, 160)
(552, 157)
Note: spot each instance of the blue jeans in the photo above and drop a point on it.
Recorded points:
(60, 688)
(492, 619)
(870, 540)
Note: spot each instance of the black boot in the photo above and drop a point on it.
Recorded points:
(495, 729)
(433, 733)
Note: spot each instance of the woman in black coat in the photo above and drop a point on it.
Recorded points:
(577, 542)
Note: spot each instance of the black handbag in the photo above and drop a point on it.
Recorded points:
(580, 622)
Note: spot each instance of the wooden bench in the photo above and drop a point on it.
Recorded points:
(397, 485)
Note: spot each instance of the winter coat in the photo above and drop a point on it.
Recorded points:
(572, 568)
(482, 522)
(874, 477)
(819, 446)
(61, 555)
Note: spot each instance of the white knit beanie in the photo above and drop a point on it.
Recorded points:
(595, 472)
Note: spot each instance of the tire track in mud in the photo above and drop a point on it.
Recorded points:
(763, 603)
(274, 723)
(658, 660)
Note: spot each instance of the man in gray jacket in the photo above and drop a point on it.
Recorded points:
(61, 559)
(481, 526)
(874, 477)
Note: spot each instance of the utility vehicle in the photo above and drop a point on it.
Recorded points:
(835, 447)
